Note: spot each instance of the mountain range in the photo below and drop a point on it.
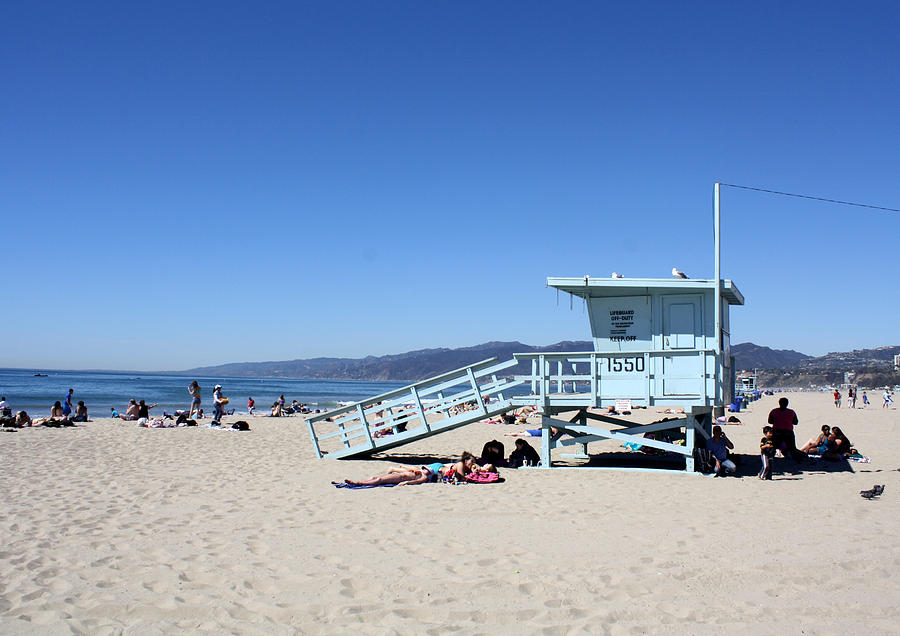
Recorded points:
(786, 364)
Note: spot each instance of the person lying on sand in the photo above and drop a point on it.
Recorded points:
(403, 476)
(530, 432)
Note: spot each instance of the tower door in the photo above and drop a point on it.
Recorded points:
(682, 321)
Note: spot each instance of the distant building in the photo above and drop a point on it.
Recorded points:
(897, 363)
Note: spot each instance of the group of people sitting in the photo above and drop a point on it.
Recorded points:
(278, 407)
(831, 444)
(135, 411)
(8, 420)
(60, 414)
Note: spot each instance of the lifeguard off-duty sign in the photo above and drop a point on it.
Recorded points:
(621, 324)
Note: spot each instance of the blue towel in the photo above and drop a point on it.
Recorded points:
(344, 484)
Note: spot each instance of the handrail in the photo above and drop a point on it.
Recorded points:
(358, 428)
(403, 391)
(606, 354)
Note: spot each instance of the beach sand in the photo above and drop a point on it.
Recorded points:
(108, 528)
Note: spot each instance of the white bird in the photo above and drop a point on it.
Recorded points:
(615, 275)
(678, 274)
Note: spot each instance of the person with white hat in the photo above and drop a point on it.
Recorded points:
(219, 403)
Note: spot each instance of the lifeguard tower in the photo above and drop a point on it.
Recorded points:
(657, 342)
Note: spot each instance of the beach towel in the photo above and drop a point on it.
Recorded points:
(344, 484)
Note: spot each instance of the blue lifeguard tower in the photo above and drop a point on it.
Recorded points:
(657, 342)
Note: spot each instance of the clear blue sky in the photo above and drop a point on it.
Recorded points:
(185, 184)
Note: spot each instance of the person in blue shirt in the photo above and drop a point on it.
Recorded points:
(67, 403)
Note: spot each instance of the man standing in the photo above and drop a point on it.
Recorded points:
(219, 403)
(783, 421)
(67, 402)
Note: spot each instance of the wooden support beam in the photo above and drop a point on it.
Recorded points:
(689, 438)
(623, 437)
(546, 442)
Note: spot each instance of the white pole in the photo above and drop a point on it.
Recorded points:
(718, 249)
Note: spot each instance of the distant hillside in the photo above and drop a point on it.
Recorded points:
(750, 356)
(777, 367)
(409, 366)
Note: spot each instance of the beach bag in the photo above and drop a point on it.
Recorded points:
(705, 461)
(241, 425)
(482, 478)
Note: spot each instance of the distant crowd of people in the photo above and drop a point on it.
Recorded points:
(887, 398)
(65, 412)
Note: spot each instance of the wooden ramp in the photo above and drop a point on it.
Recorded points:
(426, 408)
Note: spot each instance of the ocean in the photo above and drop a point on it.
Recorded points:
(103, 390)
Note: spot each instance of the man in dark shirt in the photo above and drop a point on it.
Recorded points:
(719, 445)
(783, 421)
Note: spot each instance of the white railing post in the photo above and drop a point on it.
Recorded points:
(559, 373)
(419, 408)
(500, 392)
(649, 376)
(365, 423)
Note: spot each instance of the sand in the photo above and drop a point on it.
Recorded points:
(111, 529)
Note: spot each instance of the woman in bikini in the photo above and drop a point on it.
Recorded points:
(463, 468)
(403, 476)
(818, 445)
(195, 393)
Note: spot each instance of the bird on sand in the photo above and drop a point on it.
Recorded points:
(678, 274)
(616, 275)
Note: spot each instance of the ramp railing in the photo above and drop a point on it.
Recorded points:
(438, 404)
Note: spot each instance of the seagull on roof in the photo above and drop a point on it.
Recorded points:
(678, 274)
(616, 275)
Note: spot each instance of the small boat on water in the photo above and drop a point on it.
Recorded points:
(41, 375)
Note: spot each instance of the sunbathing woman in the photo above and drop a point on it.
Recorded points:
(81, 414)
(818, 445)
(464, 467)
(403, 476)
(57, 417)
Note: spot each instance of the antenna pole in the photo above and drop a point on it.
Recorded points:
(717, 222)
